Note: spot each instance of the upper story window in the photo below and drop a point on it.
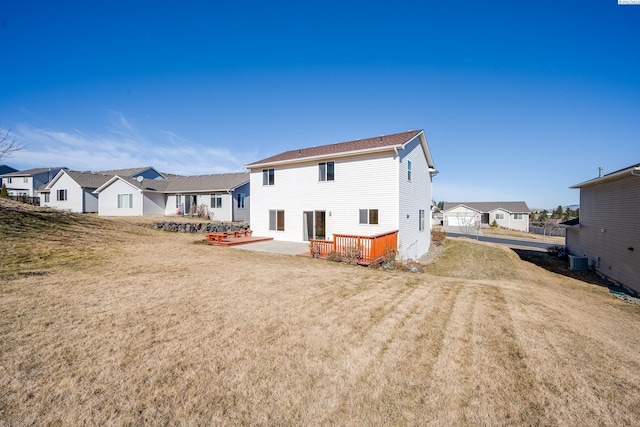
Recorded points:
(62, 195)
(25, 180)
(268, 176)
(9, 180)
(368, 216)
(326, 171)
(409, 170)
(216, 200)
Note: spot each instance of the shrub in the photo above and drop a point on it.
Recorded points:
(557, 251)
(438, 236)
(494, 224)
(3, 192)
(334, 256)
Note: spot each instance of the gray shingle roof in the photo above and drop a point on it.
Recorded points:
(513, 207)
(35, 171)
(341, 147)
(89, 179)
(196, 183)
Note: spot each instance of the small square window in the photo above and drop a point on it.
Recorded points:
(326, 171)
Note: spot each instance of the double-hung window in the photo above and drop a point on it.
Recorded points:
(499, 216)
(61, 195)
(276, 220)
(125, 201)
(368, 216)
(517, 216)
(268, 176)
(216, 201)
(326, 171)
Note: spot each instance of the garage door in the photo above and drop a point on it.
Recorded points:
(460, 221)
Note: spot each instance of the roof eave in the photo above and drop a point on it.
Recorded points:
(629, 171)
(392, 148)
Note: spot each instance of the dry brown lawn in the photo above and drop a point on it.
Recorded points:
(105, 322)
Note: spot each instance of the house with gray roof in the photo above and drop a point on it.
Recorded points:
(6, 169)
(25, 183)
(224, 197)
(511, 215)
(73, 191)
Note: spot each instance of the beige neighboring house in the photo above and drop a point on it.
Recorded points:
(608, 231)
(511, 215)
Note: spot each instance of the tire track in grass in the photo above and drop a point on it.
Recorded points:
(379, 366)
(571, 383)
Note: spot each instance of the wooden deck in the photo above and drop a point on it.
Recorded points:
(233, 239)
(363, 250)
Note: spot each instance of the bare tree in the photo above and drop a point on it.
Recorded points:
(8, 144)
(469, 224)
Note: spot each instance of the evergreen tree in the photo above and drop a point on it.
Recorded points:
(3, 192)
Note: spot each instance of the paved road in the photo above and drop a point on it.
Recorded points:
(507, 242)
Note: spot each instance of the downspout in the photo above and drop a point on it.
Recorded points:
(230, 192)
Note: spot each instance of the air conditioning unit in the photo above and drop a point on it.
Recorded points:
(578, 263)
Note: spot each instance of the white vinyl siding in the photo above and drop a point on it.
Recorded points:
(108, 200)
(298, 190)
(66, 194)
(414, 196)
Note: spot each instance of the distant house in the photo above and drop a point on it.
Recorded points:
(26, 183)
(225, 197)
(75, 191)
(608, 231)
(512, 215)
(364, 187)
(6, 169)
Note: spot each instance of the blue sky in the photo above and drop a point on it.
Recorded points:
(518, 100)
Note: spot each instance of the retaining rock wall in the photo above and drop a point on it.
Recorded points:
(199, 227)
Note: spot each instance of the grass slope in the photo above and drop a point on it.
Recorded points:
(134, 326)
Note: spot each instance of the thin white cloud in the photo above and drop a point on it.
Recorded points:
(123, 145)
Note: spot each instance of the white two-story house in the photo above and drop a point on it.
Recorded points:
(363, 187)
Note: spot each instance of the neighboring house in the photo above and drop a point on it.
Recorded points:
(608, 231)
(225, 197)
(364, 187)
(512, 215)
(73, 191)
(6, 169)
(26, 182)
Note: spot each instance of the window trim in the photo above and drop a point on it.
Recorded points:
(269, 176)
(216, 201)
(129, 200)
(326, 171)
(409, 170)
(518, 216)
(64, 195)
(276, 220)
(241, 200)
(371, 216)
(499, 216)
